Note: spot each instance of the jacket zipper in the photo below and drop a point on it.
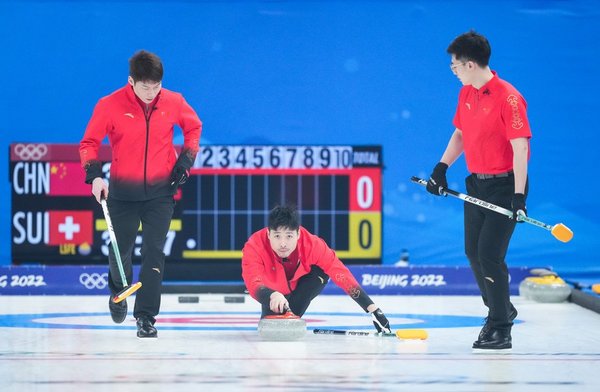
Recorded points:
(284, 273)
(147, 115)
(280, 262)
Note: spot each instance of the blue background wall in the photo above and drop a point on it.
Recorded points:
(344, 72)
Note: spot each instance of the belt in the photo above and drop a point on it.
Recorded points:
(481, 176)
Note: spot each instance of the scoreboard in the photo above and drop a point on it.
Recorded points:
(228, 196)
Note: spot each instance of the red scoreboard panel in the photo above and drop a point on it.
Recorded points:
(337, 190)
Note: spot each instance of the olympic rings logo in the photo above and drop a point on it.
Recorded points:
(30, 152)
(94, 280)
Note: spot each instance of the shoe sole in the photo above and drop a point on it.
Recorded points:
(492, 350)
(119, 322)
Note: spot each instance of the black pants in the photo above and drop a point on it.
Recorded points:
(309, 286)
(487, 236)
(155, 216)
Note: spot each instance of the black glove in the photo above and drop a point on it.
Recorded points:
(179, 175)
(518, 204)
(380, 322)
(438, 179)
(93, 169)
(181, 170)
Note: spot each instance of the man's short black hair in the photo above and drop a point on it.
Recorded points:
(145, 67)
(471, 46)
(284, 216)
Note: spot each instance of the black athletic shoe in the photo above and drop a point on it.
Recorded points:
(494, 339)
(145, 327)
(118, 311)
(486, 326)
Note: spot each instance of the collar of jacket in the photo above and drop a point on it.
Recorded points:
(134, 98)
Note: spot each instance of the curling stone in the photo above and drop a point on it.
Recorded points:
(524, 288)
(548, 289)
(282, 327)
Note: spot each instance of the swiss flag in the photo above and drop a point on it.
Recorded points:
(70, 227)
(68, 179)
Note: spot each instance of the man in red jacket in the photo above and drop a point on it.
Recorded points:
(285, 267)
(144, 175)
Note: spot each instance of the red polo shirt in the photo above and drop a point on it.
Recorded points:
(489, 118)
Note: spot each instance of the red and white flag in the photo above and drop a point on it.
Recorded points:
(70, 227)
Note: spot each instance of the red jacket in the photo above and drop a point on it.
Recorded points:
(143, 153)
(262, 269)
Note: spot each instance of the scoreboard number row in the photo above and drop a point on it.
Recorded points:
(274, 157)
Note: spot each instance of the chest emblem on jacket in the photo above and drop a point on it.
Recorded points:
(128, 114)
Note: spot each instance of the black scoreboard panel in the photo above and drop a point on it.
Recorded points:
(337, 190)
(241, 203)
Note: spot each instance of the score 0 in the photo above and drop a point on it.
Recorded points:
(365, 213)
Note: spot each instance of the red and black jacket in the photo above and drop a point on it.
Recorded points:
(263, 272)
(143, 154)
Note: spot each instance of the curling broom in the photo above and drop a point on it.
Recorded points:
(404, 334)
(559, 230)
(128, 290)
